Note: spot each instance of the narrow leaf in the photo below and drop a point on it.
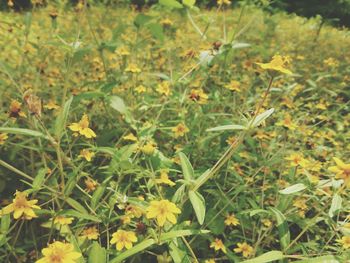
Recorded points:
(227, 127)
(62, 119)
(198, 204)
(336, 205)
(282, 226)
(21, 131)
(266, 257)
(187, 168)
(292, 189)
(97, 254)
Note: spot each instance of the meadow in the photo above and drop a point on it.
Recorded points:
(173, 134)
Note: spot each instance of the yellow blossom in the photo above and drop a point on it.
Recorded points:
(164, 88)
(231, 220)
(163, 211)
(20, 206)
(223, 2)
(15, 110)
(122, 51)
(123, 239)
(209, 261)
(341, 170)
(59, 252)
(245, 249)
(198, 95)
(140, 89)
(82, 127)
(90, 184)
(277, 64)
(85, 153)
(287, 123)
(90, 233)
(218, 245)
(132, 68)
(164, 178)
(3, 138)
(234, 85)
(266, 222)
(130, 137)
(148, 148)
(300, 203)
(345, 241)
(180, 130)
(297, 159)
(51, 105)
(166, 22)
(61, 220)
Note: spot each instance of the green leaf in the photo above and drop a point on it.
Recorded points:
(141, 20)
(5, 223)
(134, 250)
(170, 3)
(227, 127)
(322, 259)
(186, 166)
(292, 189)
(98, 193)
(74, 213)
(198, 204)
(21, 131)
(260, 118)
(181, 233)
(156, 31)
(336, 205)
(39, 179)
(118, 104)
(189, 3)
(282, 226)
(62, 119)
(266, 257)
(76, 205)
(97, 254)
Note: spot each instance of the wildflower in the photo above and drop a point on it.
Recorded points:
(82, 127)
(331, 62)
(51, 105)
(287, 123)
(90, 233)
(134, 211)
(209, 261)
(122, 51)
(123, 239)
(345, 241)
(59, 252)
(126, 219)
(266, 222)
(164, 258)
(278, 63)
(90, 184)
(166, 22)
(130, 137)
(10, 3)
(21, 206)
(3, 138)
(15, 110)
(61, 220)
(198, 95)
(223, 2)
(132, 68)
(180, 130)
(341, 170)
(231, 220)
(301, 204)
(297, 160)
(85, 153)
(218, 245)
(164, 178)
(234, 85)
(244, 248)
(148, 148)
(163, 210)
(164, 88)
(140, 89)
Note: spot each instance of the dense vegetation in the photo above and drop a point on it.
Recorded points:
(174, 134)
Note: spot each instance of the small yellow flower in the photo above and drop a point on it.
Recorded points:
(166, 22)
(51, 105)
(90, 184)
(164, 178)
(209, 261)
(223, 2)
(61, 220)
(3, 138)
(126, 219)
(134, 211)
(231, 220)
(287, 123)
(234, 85)
(59, 252)
(140, 89)
(331, 62)
(122, 51)
(132, 68)
(123, 239)
(300, 203)
(277, 64)
(15, 110)
(297, 159)
(148, 148)
(21, 207)
(218, 245)
(180, 130)
(164, 88)
(163, 210)
(199, 96)
(85, 153)
(82, 127)
(345, 241)
(130, 137)
(341, 170)
(244, 248)
(90, 233)
(266, 222)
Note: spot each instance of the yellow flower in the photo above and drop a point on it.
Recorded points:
(223, 2)
(180, 130)
(140, 89)
(123, 239)
(266, 222)
(132, 68)
(297, 160)
(3, 138)
(59, 252)
(134, 211)
(287, 123)
(90, 233)
(341, 170)
(331, 62)
(198, 95)
(218, 245)
(82, 127)
(122, 51)
(85, 153)
(164, 88)
(61, 220)
(90, 184)
(15, 110)
(148, 148)
(234, 85)
(130, 137)
(209, 261)
(300, 203)
(51, 105)
(231, 220)
(21, 206)
(164, 178)
(345, 241)
(244, 248)
(163, 210)
(278, 63)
